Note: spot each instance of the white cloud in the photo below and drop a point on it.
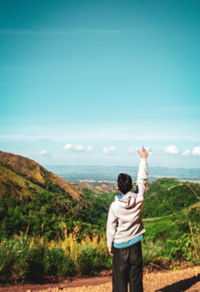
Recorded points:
(110, 149)
(172, 149)
(196, 150)
(89, 148)
(113, 148)
(67, 147)
(77, 148)
(185, 153)
(130, 150)
(44, 153)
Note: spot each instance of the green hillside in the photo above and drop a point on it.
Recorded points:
(25, 177)
(50, 228)
(168, 195)
(15, 184)
(171, 218)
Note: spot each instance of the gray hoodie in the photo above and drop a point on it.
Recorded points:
(124, 217)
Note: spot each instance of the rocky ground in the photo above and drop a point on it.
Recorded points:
(163, 281)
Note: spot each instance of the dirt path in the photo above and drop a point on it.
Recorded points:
(165, 281)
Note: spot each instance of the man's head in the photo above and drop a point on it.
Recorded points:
(124, 183)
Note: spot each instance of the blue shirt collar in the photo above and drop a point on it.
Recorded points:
(120, 196)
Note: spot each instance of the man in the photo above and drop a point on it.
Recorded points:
(125, 230)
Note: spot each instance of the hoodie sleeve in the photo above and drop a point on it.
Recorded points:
(111, 225)
(142, 178)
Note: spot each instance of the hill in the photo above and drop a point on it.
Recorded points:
(22, 176)
(45, 232)
(36, 201)
(168, 195)
(96, 189)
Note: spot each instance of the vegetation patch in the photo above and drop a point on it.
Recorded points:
(51, 235)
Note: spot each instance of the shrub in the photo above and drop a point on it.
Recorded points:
(37, 264)
(91, 261)
(60, 264)
(13, 260)
(151, 252)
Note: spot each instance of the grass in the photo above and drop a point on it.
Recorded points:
(173, 238)
(170, 239)
(32, 259)
(77, 249)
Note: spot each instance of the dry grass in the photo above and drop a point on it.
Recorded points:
(69, 244)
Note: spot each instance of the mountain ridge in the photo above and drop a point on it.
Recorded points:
(19, 174)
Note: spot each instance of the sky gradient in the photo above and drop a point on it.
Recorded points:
(89, 82)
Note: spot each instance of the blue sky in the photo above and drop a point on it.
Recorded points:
(88, 82)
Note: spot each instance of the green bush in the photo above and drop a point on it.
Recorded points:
(60, 264)
(37, 264)
(13, 260)
(151, 251)
(180, 248)
(92, 261)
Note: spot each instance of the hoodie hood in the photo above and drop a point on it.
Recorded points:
(126, 201)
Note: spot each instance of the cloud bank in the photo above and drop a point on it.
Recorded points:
(196, 151)
(107, 150)
(77, 148)
(172, 149)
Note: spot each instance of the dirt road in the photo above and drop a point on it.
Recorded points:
(164, 281)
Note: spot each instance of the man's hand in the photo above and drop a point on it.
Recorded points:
(143, 153)
(110, 253)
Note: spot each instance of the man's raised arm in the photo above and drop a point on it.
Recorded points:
(142, 173)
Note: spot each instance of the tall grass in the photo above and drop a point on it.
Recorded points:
(34, 259)
(194, 228)
(169, 239)
(173, 239)
(24, 259)
(193, 215)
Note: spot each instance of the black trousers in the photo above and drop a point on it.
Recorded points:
(127, 269)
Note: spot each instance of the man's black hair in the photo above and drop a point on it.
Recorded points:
(124, 182)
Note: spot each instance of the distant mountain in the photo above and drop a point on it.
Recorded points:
(24, 177)
(105, 188)
(97, 174)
